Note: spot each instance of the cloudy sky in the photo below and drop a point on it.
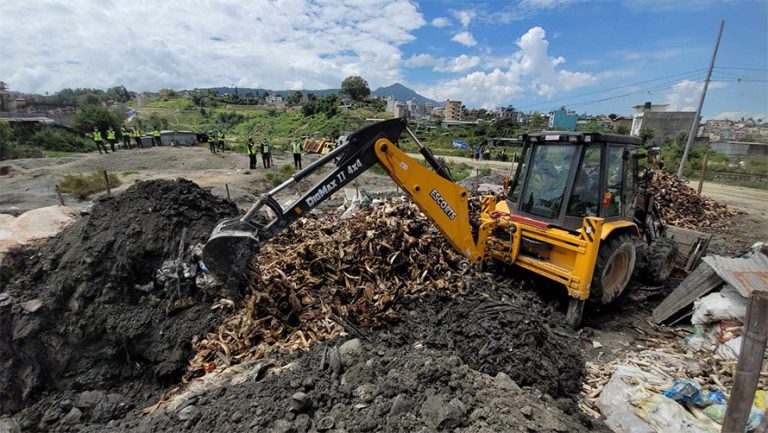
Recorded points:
(592, 56)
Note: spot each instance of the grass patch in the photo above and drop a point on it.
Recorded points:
(130, 172)
(57, 153)
(83, 185)
(286, 171)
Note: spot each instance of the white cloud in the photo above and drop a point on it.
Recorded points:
(146, 45)
(440, 22)
(465, 17)
(530, 69)
(458, 64)
(464, 38)
(685, 95)
(419, 60)
(738, 115)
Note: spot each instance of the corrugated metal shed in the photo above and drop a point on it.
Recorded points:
(745, 274)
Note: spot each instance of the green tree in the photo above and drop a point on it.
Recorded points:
(536, 123)
(356, 87)
(119, 94)
(621, 129)
(89, 116)
(295, 98)
(646, 134)
(682, 139)
(613, 116)
(6, 139)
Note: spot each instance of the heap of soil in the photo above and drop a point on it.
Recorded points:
(103, 321)
(513, 333)
(360, 387)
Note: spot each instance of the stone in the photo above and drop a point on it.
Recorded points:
(400, 405)
(73, 417)
(51, 416)
(350, 352)
(527, 411)
(441, 415)
(187, 413)
(505, 381)
(31, 306)
(88, 399)
(236, 417)
(326, 423)
(9, 425)
(367, 392)
(301, 402)
(282, 426)
(302, 423)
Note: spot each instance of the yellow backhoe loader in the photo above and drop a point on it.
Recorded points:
(577, 212)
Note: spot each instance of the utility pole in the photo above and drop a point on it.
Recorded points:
(695, 124)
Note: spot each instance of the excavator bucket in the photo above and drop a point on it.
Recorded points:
(230, 248)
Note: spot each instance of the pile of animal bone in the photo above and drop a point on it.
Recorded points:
(321, 276)
(681, 206)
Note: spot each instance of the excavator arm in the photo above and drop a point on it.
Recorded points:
(235, 241)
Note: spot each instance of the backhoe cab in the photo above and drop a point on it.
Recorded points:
(576, 211)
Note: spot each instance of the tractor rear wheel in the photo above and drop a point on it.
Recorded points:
(657, 261)
(613, 269)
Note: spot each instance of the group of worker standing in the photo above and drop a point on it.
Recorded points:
(265, 149)
(125, 135)
(216, 141)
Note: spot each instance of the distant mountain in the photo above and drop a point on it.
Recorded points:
(402, 93)
(397, 91)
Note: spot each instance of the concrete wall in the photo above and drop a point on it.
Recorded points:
(667, 124)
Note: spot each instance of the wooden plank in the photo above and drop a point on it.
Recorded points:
(701, 281)
(750, 364)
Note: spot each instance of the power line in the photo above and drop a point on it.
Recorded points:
(742, 69)
(678, 75)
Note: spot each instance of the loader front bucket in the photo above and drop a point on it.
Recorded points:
(230, 248)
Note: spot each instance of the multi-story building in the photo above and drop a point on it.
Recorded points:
(452, 111)
(562, 120)
(666, 125)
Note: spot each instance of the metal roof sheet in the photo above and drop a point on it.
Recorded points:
(745, 274)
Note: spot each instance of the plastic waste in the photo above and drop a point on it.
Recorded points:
(667, 416)
(626, 387)
(690, 392)
(730, 349)
(728, 304)
(704, 338)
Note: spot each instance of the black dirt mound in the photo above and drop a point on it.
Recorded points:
(104, 320)
(513, 333)
(359, 387)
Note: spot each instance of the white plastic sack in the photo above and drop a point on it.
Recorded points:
(667, 416)
(730, 349)
(34, 225)
(624, 388)
(728, 304)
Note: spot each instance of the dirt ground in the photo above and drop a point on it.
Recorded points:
(452, 364)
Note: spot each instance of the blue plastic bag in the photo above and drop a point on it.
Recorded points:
(687, 391)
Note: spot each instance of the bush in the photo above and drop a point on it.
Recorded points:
(83, 185)
(51, 138)
(88, 117)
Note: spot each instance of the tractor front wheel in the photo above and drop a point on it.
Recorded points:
(613, 269)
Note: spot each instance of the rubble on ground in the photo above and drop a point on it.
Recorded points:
(85, 313)
(681, 206)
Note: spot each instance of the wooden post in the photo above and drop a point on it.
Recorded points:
(226, 185)
(106, 182)
(61, 197)
(703, 172)
(749, 365)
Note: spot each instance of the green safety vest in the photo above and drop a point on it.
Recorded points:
(96, 136)
(251, 150)
(264, 147)
(156, 133)
(110, 135)
(296, 147)
(221, 137)
(136, 133)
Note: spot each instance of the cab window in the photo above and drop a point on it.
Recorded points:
(585, 197)
(544, 192)
(519, 179)
(612, 197)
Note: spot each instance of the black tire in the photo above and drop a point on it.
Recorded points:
(656, 261)
(613, 269)
(574, 313)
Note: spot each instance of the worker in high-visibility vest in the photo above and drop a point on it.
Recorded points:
(99, 140)
(266, 153)
(137, 137)
(126, 137)
(221, 141)
(250, 150)
(212, 142)
(156, 137)
(111, 138)
(296, 149)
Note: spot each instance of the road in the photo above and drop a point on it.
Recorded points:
(750, 200)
